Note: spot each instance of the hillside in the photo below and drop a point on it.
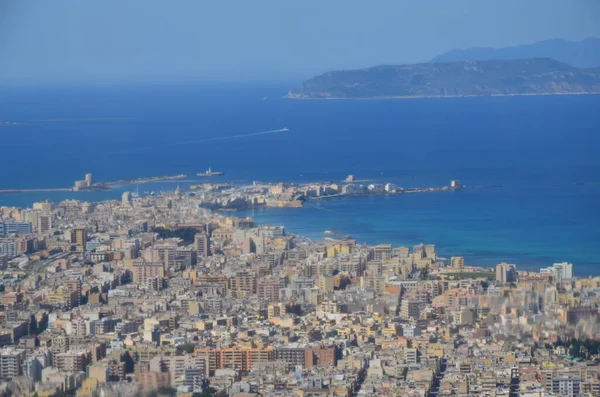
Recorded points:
(467, 78)
(581, 54)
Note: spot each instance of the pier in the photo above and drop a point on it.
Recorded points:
(58, 189)
(165, 178)
(87, 186)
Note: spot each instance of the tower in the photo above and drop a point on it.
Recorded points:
(44, 223)
(126, 198)
(562, 271)
(202, 244)
(88, 179)
(79, 236)
(506, 273)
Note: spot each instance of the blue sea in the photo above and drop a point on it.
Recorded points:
(538, 148)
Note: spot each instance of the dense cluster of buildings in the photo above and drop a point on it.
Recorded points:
(160, 295)
(226, 196)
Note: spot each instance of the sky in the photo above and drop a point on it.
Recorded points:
(237, 40)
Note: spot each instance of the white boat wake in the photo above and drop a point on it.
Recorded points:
(191, 142)
(222, 138)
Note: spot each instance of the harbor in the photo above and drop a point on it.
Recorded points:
(210, 173)
(36, 190)
(88, 185)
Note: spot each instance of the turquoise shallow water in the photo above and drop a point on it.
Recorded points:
(474, 223)
(537, 147)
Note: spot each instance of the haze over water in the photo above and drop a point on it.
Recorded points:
(536, 147)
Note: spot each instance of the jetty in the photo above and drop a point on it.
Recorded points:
(87, 186)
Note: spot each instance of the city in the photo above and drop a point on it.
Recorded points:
(307, 198)
(160, 294)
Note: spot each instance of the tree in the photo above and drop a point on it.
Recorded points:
(186, 348)
(315, 335)
(207, 392)
(580, 348)
(221, 393)
(167, 391)
(129, 362)
(186, 234)
(344, 282)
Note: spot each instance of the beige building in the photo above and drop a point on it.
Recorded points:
(325, 284)
(506, 273)
(457, 262)
(268, 289)
(374, 282)
(382, 252)
(99, 371)
(177, 365)
(71, 361)
(79, 236)
(202, 245)
(144, 271)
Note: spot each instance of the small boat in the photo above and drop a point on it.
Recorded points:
(210, 172)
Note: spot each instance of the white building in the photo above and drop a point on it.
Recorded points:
(11, 363)
(560, 271)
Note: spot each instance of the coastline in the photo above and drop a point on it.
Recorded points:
(102, 186)
(394, 219)
(376, 98)
(464, 224)
(423, 146)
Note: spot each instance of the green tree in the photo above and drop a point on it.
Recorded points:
(167, 391)
(186, 348)
(207, 392)
(186, 233)
(344, 282)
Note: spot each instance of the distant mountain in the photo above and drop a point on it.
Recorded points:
(467, 78)
(581, 54)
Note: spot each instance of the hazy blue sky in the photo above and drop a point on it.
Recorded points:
(54, 40)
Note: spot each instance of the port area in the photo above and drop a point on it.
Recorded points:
(66, 189)
(210, 173)
(227, 197)
(336, 235)
(380, 192)
(178, 178)
(87, 184)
